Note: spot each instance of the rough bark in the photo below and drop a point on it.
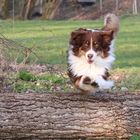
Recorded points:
(69, 116)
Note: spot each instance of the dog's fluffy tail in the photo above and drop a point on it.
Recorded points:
(111, 22)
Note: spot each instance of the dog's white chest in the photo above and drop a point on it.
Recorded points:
(80, 66)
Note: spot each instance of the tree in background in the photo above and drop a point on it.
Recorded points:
(50, 8)
(135, 9)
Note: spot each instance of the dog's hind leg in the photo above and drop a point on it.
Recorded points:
(104, 84)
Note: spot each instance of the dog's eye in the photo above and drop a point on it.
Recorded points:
(95, 44)
(86, 43)
(85, 46)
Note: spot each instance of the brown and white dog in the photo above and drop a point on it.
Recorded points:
(91, 54)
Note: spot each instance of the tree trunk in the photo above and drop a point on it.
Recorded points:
(27, 9)
(69, 116)
(101, 6)
(50, 8)
(2, 8)
(135, 11)
(6, 9)
(117, 6)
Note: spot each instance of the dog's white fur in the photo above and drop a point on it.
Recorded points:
(80, 67)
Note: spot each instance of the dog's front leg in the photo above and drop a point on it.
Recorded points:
(85, 84)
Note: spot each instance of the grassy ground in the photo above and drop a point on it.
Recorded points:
(49, 41)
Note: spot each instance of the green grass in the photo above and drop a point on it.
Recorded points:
(135, 137)
(49, 40)
(46, 82)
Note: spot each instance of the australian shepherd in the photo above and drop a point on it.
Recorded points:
(91, 55)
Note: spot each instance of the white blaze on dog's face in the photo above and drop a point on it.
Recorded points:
(91, 53)
(90, 44)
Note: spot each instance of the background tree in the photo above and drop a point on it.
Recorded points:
(135, 9)
(117, 6)
(50, 8)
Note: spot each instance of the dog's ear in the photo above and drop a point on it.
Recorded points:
(77, 37)
(107, 36)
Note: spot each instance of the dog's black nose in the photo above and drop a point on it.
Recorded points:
(90, 56)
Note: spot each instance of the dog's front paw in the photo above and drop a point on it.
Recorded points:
(106, 85)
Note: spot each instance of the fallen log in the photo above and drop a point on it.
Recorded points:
(69, 116)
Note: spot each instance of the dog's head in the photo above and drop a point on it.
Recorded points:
(91, 43)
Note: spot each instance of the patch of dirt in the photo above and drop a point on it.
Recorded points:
(118, 76)
(37, 69)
